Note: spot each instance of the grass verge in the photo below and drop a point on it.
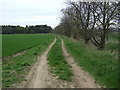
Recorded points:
(58, 65)
(112, 43)
(15, 69)
(102, 65)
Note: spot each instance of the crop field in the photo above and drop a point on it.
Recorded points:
(14, 69)
(11, 44)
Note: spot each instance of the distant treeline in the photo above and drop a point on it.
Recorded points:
(8, 29)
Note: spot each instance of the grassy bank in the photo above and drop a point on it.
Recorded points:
(58, 65)
(15, 69)
(112, 43)
(102, 65)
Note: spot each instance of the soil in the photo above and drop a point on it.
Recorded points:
(14, 55)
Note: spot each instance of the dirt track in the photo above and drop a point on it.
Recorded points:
(40, 77)
(81, 78)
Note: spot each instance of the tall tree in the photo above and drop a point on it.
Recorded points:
(90, 20)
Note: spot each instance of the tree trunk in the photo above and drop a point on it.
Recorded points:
(75, 36)
(86, 41)
(102, 43)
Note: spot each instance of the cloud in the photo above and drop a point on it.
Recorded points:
(31, 12)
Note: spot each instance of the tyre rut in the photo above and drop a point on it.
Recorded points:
(81, 78)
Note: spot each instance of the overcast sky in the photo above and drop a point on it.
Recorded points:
(31, 12)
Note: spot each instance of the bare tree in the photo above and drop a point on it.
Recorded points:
(105, 16)
(90, 20)
(81, 15)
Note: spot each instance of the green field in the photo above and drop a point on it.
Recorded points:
(15, 69)
(12, 44)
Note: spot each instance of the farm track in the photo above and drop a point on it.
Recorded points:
(39, 76)
(81, 78)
